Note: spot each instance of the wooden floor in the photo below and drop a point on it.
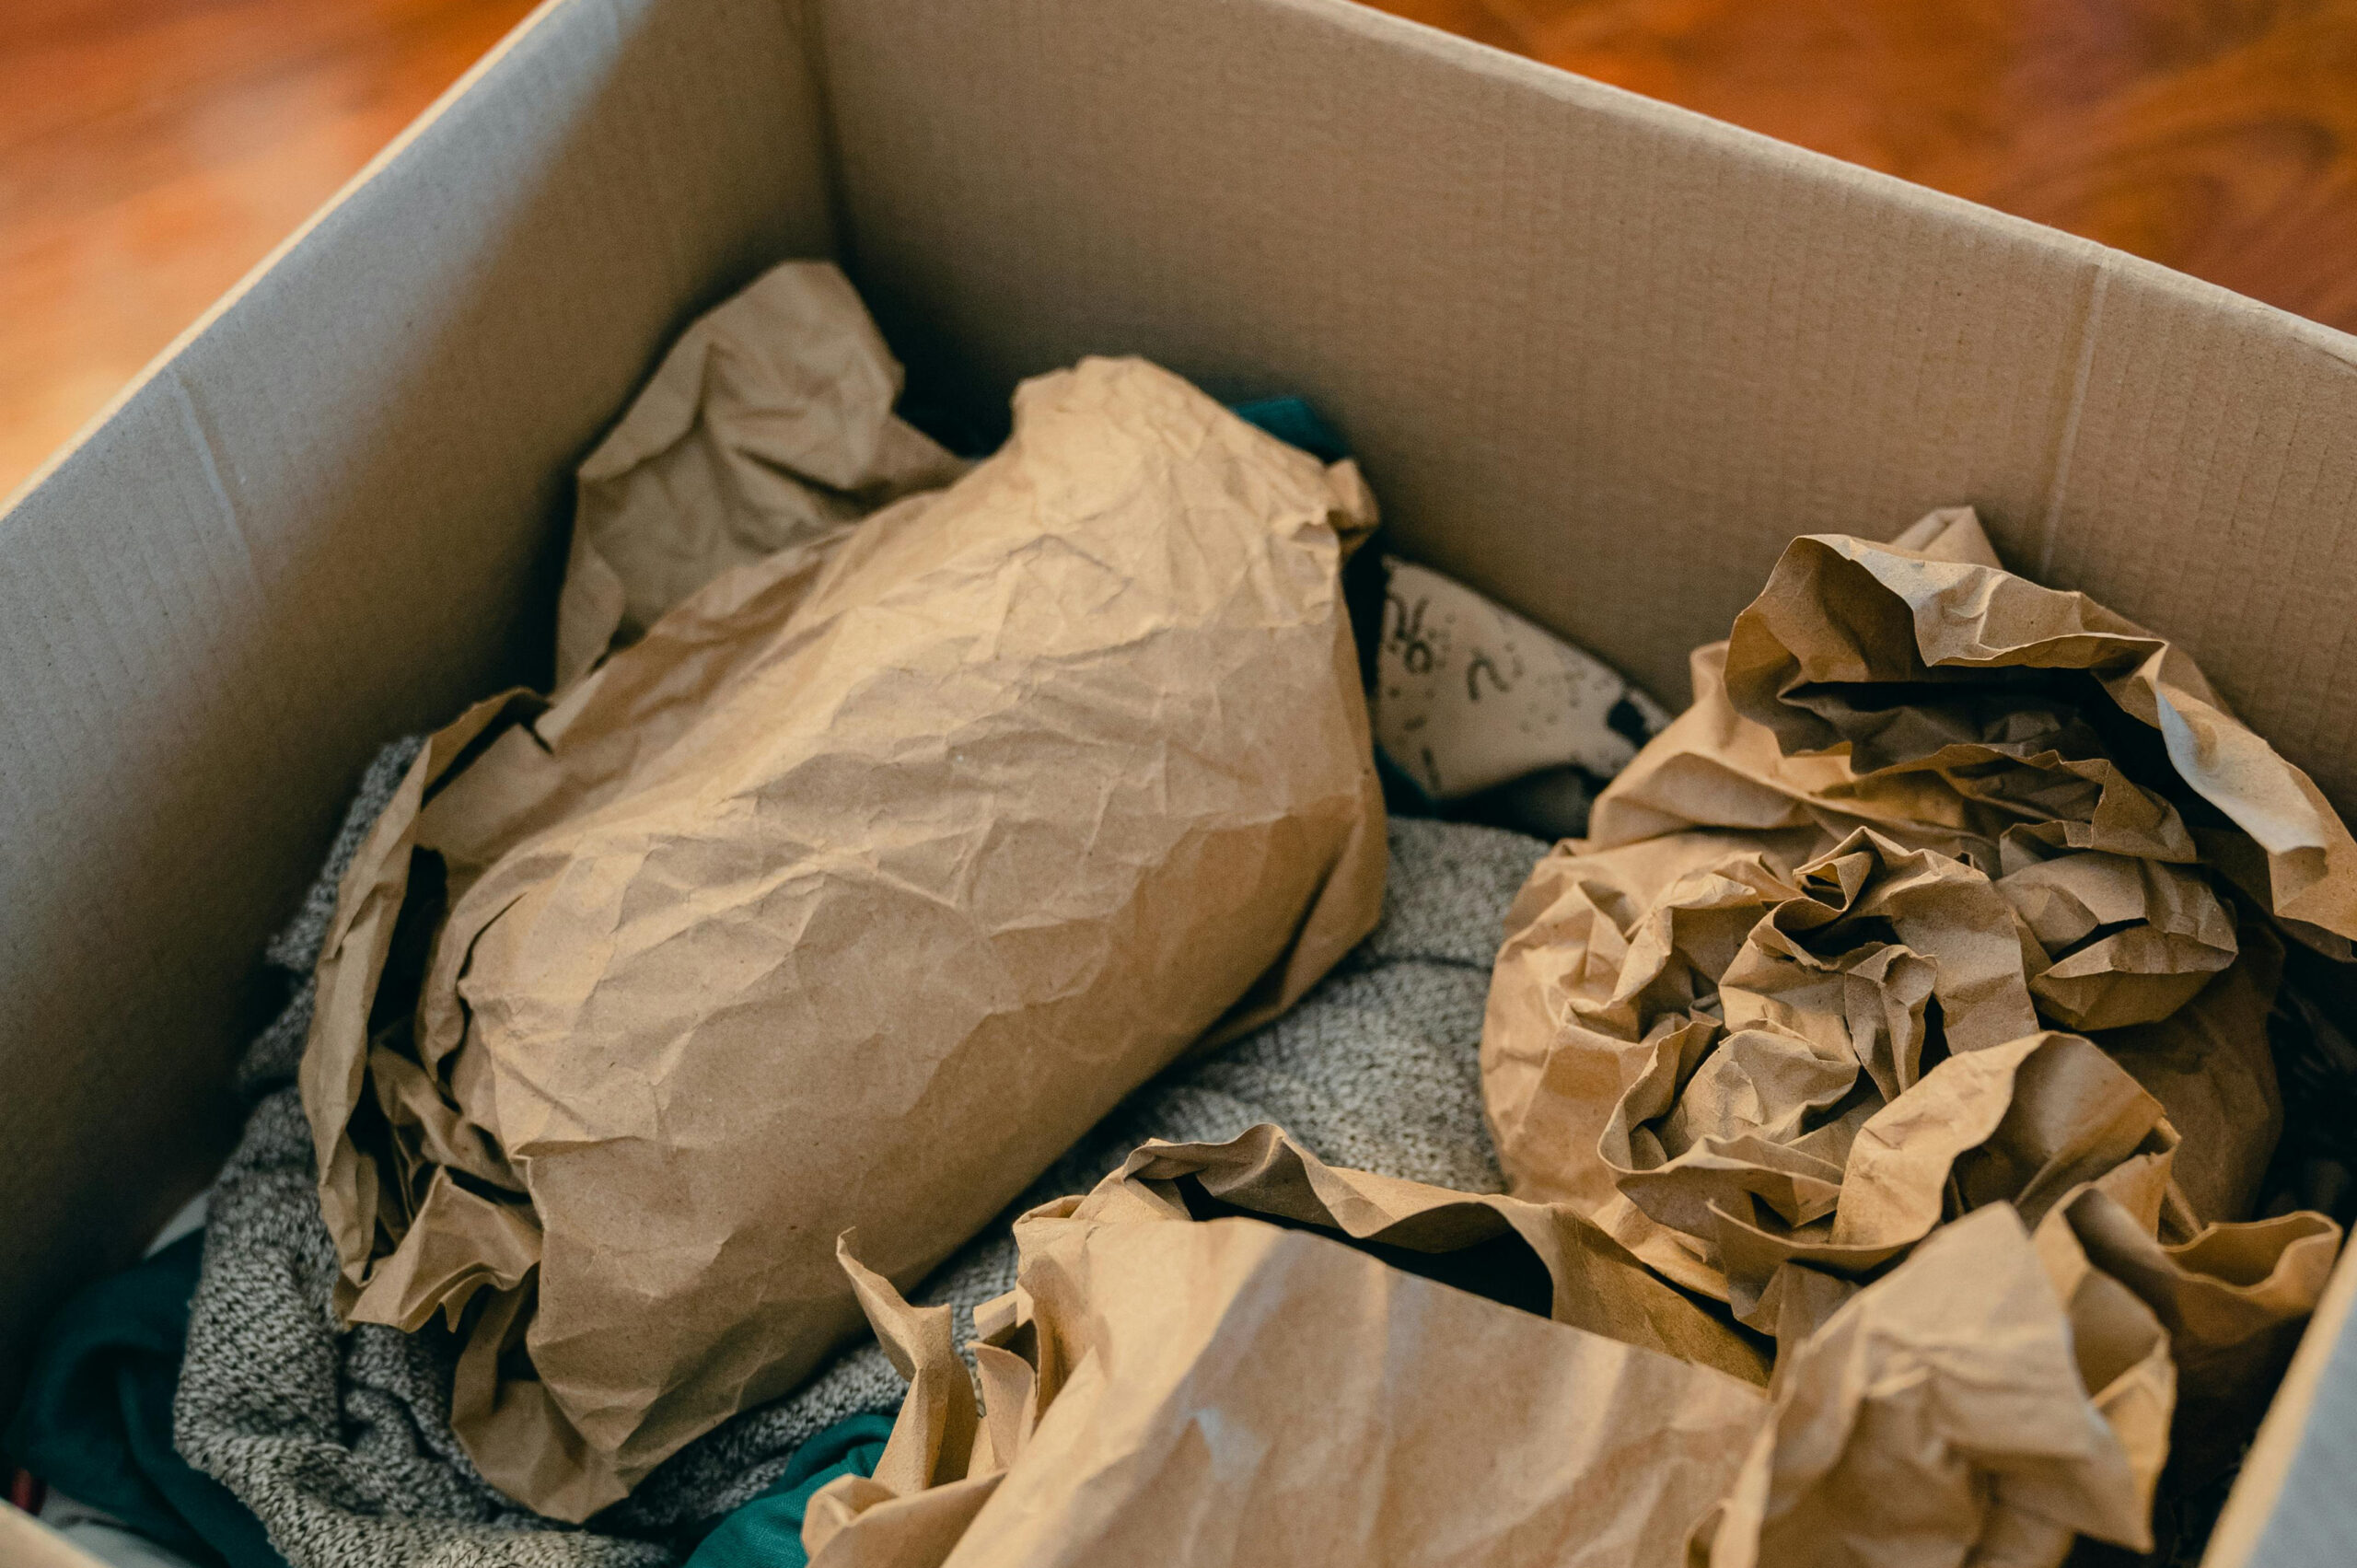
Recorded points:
(2219, 136)
(151, 151)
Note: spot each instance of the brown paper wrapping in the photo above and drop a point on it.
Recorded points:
(1229, 1390)
(2212, 1066)
(1919, 688)
(1583, 1278)
(1221, 1393)
(851, 893)
(1919, 804)
(1753, 1066)
(2232, 1299)
(767, 427)
(1790, 1025)
(1981, 1404)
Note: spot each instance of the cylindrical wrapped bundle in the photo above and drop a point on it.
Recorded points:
(850, 895)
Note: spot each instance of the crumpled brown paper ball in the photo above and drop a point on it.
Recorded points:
(1949, 893)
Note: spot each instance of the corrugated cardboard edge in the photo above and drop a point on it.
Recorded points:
(254, 274)
(181, 1183)
(2265, 1522)
(2107, 265)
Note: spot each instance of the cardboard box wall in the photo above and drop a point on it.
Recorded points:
(1599, 357)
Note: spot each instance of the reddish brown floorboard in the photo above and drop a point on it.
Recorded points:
(151, 151)
(2217, 136)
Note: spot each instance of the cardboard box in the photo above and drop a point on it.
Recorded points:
(1599, 357)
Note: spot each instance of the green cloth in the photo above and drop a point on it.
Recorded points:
(97, 1418)
(767, 1532)
(1293, 420)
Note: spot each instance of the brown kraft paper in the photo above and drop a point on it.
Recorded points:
(1920, 688)
(2232, 1299)
(851, 893)
(1919, 807)
(767, 427)
(1983, 1403)
(1950, 895)
(1192, 1371)
(1990, 1399)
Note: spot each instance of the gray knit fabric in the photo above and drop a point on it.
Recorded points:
(341, 1441)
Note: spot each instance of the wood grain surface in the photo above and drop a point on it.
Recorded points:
(2217, 136)
(151, 151)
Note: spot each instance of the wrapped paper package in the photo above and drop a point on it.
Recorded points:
(1194, 1369)
(850, 893)
(1948, 891)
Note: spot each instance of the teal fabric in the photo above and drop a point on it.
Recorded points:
(1293, 420)
(97, 1418)
(767, 1532)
